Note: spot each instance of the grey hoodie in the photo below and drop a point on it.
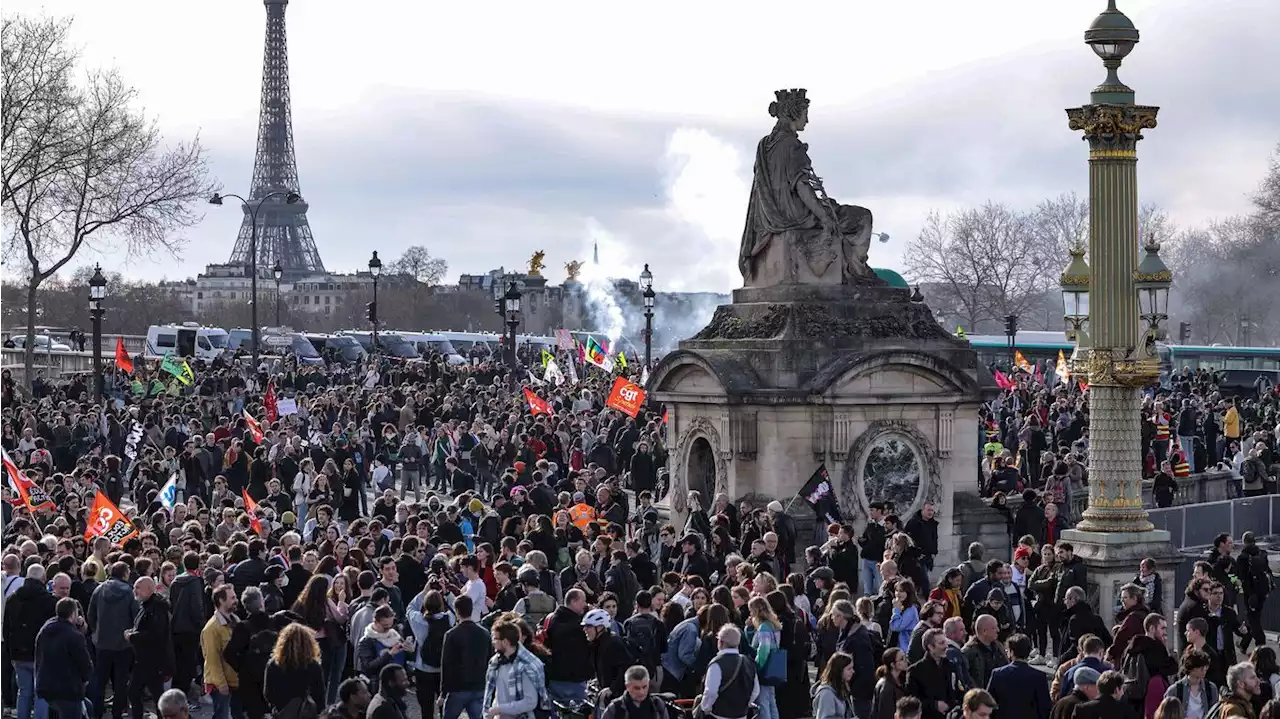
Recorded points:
(112, 609)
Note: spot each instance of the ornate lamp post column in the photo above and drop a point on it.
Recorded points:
(98, 293)
(646, 285)
(1113, 358)
(277, 272)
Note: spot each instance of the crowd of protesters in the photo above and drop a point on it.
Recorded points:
(414, 533)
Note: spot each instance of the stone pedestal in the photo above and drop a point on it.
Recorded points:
(1112, 559)
(790, 377)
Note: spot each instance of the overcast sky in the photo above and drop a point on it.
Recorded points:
(487, 131)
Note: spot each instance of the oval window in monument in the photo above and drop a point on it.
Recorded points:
(891, 473)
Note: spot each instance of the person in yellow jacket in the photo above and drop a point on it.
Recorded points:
(220, 679)
(1231, 422)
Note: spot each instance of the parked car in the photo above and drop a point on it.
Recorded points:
(43, 343)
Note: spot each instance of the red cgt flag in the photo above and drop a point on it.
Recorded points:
(1003, 382)
(537, 405)
(255, 429)
(32, 495)
(251, 508)
(271, 410)
(123, 360)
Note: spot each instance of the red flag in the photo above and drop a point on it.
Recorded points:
(123, 360)
(255, 429)
(106, 520)
(1002, 381)
(666, 416)
(1083, 385)
(251, 508)
(1039, 374)
(537, 405)
(30, 494)
(270, 408)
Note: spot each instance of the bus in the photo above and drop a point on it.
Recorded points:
(1243, 363)
(1034, 345)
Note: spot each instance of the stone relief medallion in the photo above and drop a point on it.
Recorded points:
(892, 461)
(891, 471)
(678, 488)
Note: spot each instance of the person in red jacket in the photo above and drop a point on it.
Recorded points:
(1128, 622)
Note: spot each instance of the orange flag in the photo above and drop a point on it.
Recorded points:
(106, 520)
(251, 508)
(123, 360)
(626, 396)
(32, 494)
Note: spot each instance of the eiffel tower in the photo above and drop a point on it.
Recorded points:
(283, 232)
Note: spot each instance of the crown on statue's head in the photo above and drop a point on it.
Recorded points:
(789, 103)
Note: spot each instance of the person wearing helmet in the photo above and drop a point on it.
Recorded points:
(609, 655)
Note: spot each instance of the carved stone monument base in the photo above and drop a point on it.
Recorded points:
(787, 378)
(1112, 560)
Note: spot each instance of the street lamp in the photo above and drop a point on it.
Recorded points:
(1074, 282)
(98, 293)
(1152, 280)
(512, 302)
(277, 272)
(1117, 358)
(290, 198)
(646, 285)
(375, 269)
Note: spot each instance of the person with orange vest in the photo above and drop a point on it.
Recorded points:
(1181, 468)
(582, 514)
(1161, 443)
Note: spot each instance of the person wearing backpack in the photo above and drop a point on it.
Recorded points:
(1147, 666)
(1243, 685)
(430, 620)
(646, 635)
(1111, 702)
(536, 605)
(610, 655)
(1255, 585)
(1194, 691)
(464, 660)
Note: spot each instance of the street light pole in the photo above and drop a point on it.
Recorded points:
(277, 272)
(512, 300)
(97, 293)
(375, 269)
(646, 286)
(290, 198)
(1116, 357)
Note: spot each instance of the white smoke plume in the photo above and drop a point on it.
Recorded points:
(706, 188)
(597, 280)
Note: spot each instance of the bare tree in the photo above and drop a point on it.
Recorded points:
(417, 262)
(1060, 224)
(81, 167)
(1267, 199)
(981, 263)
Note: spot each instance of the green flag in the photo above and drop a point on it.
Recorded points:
(178, 368)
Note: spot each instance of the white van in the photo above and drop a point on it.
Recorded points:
(433, 342)
(188, 339)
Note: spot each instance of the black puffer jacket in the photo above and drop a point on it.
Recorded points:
(568, 645)
(152, 639)
(186, 599)
(24, 613)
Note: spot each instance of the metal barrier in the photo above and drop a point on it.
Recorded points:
(1195, 525)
